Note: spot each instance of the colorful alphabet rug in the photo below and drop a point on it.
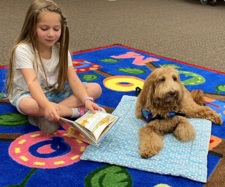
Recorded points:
(30, 157)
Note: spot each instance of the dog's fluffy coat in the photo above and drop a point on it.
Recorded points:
(162, 93)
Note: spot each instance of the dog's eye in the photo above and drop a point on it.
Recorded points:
(175, 78)
(162, 79)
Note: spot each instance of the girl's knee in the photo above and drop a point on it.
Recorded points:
(27, 106)
(98, 89)
(94, 90)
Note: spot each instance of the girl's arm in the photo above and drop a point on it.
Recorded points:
(79, 90)
(51, 112)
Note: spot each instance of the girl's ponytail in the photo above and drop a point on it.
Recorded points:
(63, 57)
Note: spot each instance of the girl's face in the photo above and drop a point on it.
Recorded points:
(48, 29)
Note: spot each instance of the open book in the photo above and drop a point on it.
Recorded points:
(90, 128)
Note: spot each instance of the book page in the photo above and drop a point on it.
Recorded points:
(77, 131)
(97, 122)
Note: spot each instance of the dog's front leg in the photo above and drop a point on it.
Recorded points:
(192, 110)
(150, 141)
(184, 130)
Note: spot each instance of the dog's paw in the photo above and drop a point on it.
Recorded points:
(186, 137)
(217, 120)
(150, 142)
(146, 153)
(150, 149)
(185, 132)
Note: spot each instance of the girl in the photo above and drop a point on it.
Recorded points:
(40, 64)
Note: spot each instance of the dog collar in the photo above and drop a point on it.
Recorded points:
(148, 116)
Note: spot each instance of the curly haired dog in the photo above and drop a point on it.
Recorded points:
(163, 95)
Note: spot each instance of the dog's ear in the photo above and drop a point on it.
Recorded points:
(146, 95)
(180, 101)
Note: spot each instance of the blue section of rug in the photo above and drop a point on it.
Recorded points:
(118, 69)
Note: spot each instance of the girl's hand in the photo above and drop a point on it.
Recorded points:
(92, 106)
(52, 112)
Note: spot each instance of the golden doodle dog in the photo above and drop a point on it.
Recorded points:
(166, 104)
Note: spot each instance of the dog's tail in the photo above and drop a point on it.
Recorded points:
(197, 96)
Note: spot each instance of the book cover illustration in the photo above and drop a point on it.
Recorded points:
(73, 131)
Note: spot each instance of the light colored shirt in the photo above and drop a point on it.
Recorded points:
(24, 58)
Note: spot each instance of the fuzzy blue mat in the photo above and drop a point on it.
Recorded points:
(120, 147)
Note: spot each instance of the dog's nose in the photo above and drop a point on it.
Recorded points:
(172, 93)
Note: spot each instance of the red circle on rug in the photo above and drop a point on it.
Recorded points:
(20, 152)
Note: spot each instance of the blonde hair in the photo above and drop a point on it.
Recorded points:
(28, 34)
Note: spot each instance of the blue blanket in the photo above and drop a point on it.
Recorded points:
(120, 147)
